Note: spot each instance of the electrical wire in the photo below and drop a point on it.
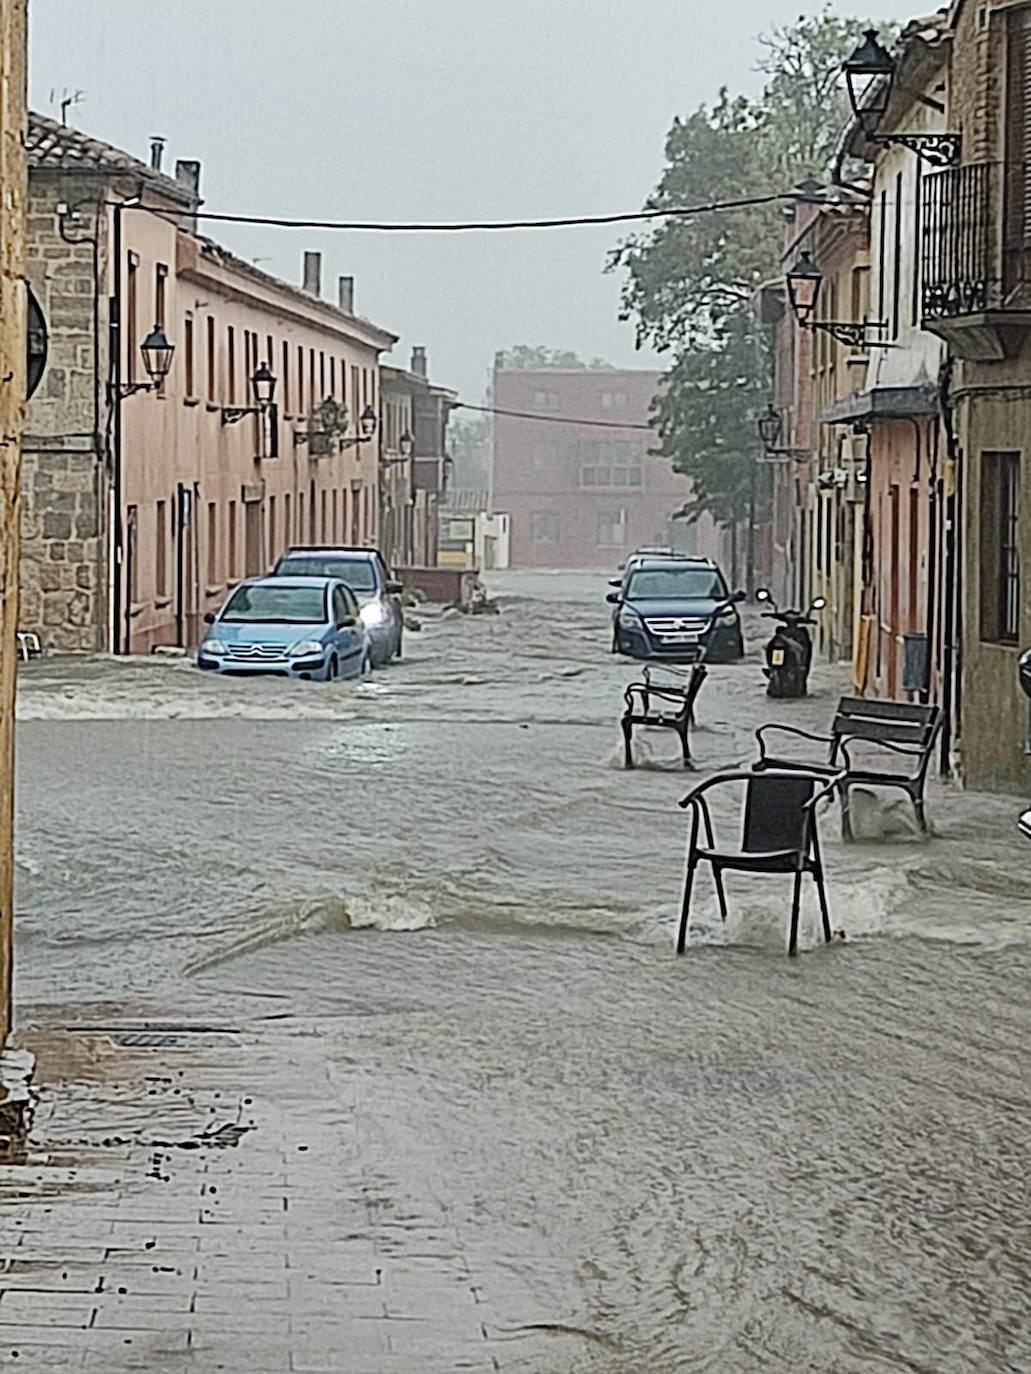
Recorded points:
(478, 226)
(549, 419)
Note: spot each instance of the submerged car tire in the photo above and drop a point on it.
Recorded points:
(400, 644)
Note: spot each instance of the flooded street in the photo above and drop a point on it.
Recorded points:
(446, 880)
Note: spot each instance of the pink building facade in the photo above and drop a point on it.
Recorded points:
(583, 495)
(139, 515)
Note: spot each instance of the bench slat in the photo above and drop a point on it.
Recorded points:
(888, 710)
(891, 731)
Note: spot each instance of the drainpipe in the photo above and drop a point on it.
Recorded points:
(950, 649)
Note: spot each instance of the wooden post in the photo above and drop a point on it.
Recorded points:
(13, 197)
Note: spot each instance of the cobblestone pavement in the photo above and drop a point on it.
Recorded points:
(226, 1216)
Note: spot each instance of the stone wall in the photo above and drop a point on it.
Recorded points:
(64, 544)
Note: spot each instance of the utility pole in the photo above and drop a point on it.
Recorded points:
(13, 344)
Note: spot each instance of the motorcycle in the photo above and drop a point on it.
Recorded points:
(1024, 677)
(789, 653)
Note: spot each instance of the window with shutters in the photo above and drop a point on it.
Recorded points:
(1000, 547)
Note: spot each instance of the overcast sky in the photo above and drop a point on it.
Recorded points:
(417, 109)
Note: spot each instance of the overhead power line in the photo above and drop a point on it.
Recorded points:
(485, 226)
(550, 419)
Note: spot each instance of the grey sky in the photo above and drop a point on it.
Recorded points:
(417, 109)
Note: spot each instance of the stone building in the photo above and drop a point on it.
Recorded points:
(416, 412)
(139, 517)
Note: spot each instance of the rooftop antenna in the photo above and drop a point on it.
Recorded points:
(68, 98)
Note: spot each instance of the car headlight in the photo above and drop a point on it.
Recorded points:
(305, 647)
(212, 646)
(629, 618)
(373, 613)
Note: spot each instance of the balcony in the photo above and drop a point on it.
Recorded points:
(974, 251)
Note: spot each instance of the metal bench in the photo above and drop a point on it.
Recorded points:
(678, 696)
(904, 730)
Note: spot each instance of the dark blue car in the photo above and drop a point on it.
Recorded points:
(665, 607)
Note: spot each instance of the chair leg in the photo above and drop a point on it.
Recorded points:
(684, 731)
(717, 876)
(795, 905)
(685, 905)
(821, 890)
(628, 744)
(921, 815)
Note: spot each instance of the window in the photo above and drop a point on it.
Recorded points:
(161, 551)
(160, 285)
(343, 380)
(273, 548)
(353, 416)
(544, 527)
(311, 379)
(611, 529)
(300, 515)
(300, 380)
(270, 353)
(230, 365)
(896, 295)
(613, 400)
(336, 528)
(332, 376)
(1000, 547)
(132, 337)
(343, 513)
(285, 379)
(545, 400)
(322, 376)
(212, 544)
(288, 529)
(188, 357)
(132, 524)
(212, 387)
(325, 527)
(231, 569)
(611, 463)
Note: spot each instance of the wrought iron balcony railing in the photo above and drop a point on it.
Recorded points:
(975, 240)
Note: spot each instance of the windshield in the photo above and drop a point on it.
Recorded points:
(277, 605)
(676, 584)
(357, 573)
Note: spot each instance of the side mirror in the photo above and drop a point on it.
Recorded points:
(348, 622)
(613, 598)
(763, 594)
(395, 588)
(818, 603)
(615, 582)
(209, 619)
(738, 597)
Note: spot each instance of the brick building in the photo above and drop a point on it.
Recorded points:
(582, 495)
(138, 519)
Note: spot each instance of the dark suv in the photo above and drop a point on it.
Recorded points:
(366, 573)
(664, 609)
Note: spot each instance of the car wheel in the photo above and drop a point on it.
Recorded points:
(400, 643)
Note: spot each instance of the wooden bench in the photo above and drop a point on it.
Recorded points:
(678, 696)
(904, 730)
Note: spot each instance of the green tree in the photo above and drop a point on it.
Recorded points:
(690, 281)
(469, 439)
(532, 357)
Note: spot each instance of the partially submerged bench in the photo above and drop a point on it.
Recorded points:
(905, 731)
(664, 704)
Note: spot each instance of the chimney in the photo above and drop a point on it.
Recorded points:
(419, 361)
(157, 148)
(313, 273)
(345, 294)
(187, 173)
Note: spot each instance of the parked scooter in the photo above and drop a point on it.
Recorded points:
(789, 653)
(1024, 676)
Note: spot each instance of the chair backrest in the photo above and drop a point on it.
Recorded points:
(775, 816)
(896, 722)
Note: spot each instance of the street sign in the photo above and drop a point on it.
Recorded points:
(35, 346)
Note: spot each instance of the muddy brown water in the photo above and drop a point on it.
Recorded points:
(731, 1162)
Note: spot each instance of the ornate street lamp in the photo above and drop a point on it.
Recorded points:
(804, 281)
(368, 422)
(406, 445)
(263, 389)
(157, 355)
(871, 75)
(769, 425)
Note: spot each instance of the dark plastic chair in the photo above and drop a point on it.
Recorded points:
(778, 835)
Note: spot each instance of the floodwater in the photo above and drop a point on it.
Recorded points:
(730, 1162)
